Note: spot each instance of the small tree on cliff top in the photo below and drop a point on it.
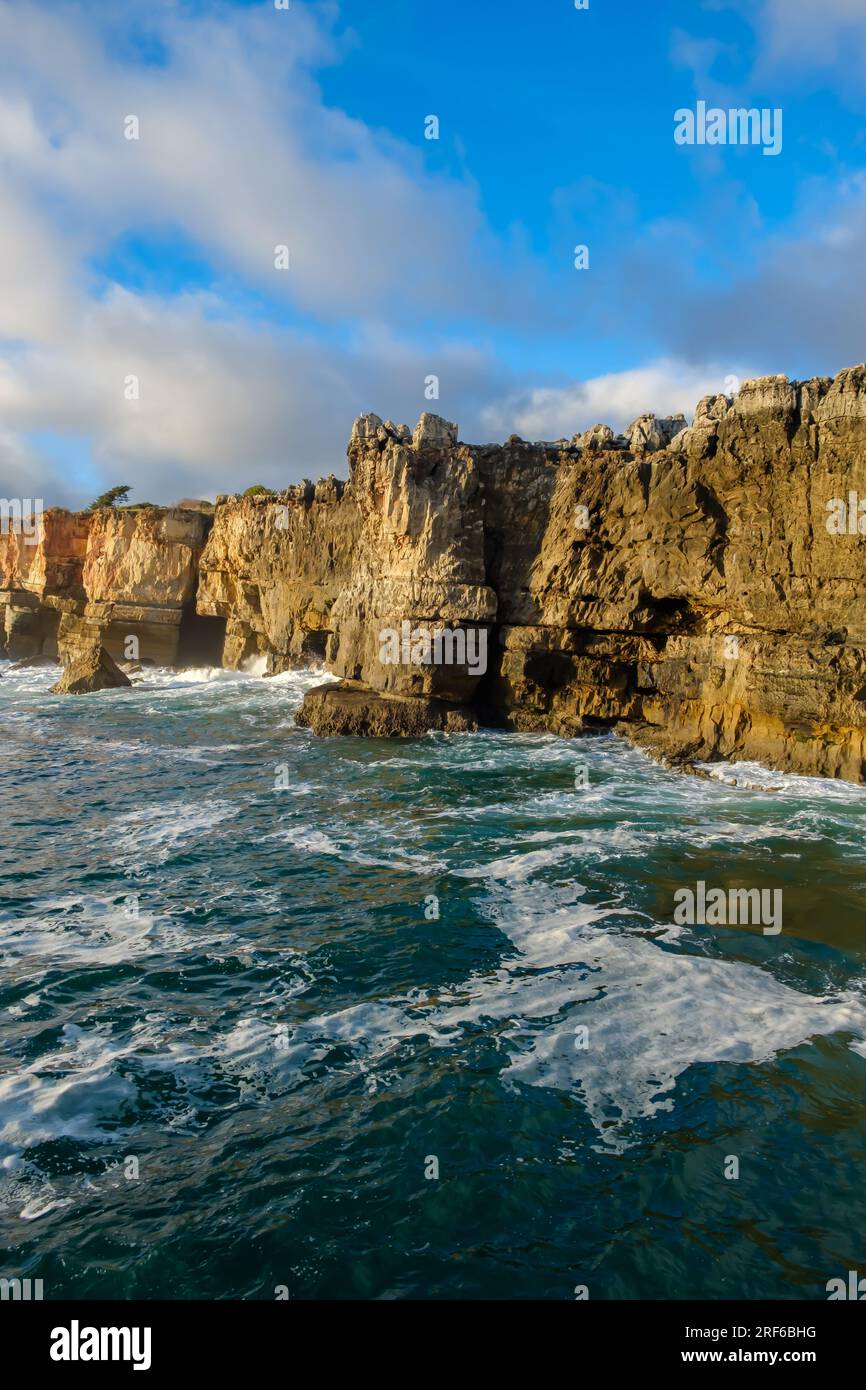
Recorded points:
(114, 497)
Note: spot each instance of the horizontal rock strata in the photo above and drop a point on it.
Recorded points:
(121, 578)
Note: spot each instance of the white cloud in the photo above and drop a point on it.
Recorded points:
(392, 269)
(221, 405)
(666, 387)
(24, 473)
(238, 153)
(811, 33)
(802, 40)
(238, 149)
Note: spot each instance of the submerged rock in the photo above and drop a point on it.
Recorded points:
(91, 670)
(30, 663)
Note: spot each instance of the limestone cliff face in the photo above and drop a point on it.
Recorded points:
(272, 569)
(699, 587)
(679, 584)
(49, 559)
(419, 559)
(101, 577)
(696, 593)
(40, 577)
(140, 573)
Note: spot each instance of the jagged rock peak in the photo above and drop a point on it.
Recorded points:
(330, 489)
(844, 397)
(766, 393)
(597, 437)
(710, 409)
(365, 429)
(649, 433)
(401, 432)
(370, 429)
(432, 432)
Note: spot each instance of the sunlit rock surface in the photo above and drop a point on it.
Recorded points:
(690, 585)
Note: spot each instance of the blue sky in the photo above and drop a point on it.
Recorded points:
(154, 259)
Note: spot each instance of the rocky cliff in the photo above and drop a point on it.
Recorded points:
(272, 569)
(40, 578)
(125, 578)
(694, 595)
(688, 586)
(698, 587)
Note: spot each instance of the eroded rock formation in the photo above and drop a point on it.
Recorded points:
(420, 556)
(101, 578)
(272, 568)
(40, 581)
(699, 587)
(90, 670)
(680, 584)
(349, 707)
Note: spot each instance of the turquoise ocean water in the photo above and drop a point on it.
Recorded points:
(241, 1052)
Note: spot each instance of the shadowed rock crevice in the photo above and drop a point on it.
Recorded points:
(201, 639)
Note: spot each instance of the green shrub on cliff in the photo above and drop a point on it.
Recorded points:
(257, 491)
(112, 498)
